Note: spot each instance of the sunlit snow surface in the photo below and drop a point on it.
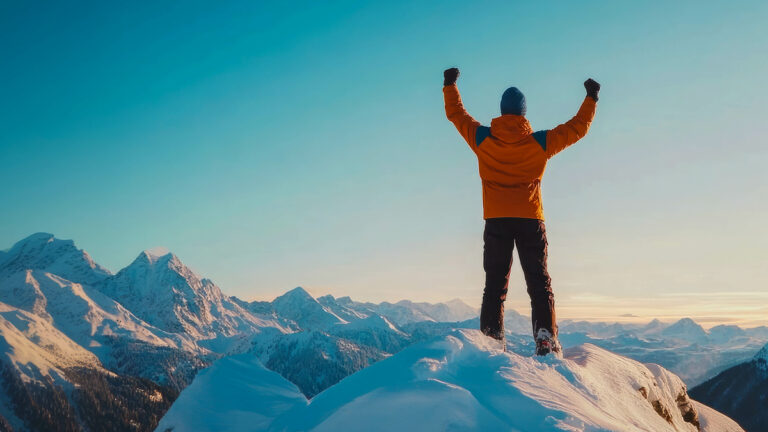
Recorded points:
(459, 382)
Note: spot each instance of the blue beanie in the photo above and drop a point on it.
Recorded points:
(513, 102)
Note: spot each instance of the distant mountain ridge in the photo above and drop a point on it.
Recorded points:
(740, 392)
(140, 336)
(683, 346)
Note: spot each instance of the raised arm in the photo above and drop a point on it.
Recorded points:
(574, 129)
(454, 109)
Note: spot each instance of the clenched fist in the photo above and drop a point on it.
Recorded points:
(450, 76)
(593, 87)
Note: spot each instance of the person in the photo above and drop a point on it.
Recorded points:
(512, 158)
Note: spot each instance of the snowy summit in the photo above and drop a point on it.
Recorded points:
(459, 382)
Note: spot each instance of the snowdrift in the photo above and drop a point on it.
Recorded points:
(459, 382)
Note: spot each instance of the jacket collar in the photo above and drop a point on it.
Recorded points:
(510, 128)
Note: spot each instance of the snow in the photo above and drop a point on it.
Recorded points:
(374, 322)
(59, 309)
(683, 347)
(516, 322)
(686, 329)
(299, 306)
(460, 382)
(453, 310)
(712, 420)
(157, 251)
(42, 251)
(236, 393)
(724, 334)
(400, 313)
(36, 349)
(344, 308)
(82, 313)
(165, 293)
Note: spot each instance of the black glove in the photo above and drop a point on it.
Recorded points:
(593, 87)
(450, 76)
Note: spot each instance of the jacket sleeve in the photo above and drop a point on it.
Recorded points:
(454, 110)
(571, 131)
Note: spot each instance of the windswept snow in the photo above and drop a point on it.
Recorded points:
(460, 382)
(236, 393)
(712, 420)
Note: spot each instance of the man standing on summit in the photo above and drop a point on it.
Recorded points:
(512, 158)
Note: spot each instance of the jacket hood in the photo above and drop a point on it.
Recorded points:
(510, 128)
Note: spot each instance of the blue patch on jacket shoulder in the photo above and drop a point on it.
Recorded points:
(482, 133)
(541, 138)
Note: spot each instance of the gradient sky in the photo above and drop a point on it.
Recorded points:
(271, 145)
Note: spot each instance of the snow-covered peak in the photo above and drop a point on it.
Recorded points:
(345, 308)
(300, 307)
(687, 330)
(344, 300)
(374, 321)
(686, 322)
(150, 272)
(454, 310)
(43, 251)
(81, 312)
(298, 294)
(726, 333)
(655, 326)
(166, 293)
(150, 259)
(39, 237)
(460, 309)
(462, 381)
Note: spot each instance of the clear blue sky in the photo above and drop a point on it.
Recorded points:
(278, 144)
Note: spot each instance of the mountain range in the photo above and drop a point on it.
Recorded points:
(73, 335)
(141, 335)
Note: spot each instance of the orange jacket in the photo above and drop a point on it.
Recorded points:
(512, 157)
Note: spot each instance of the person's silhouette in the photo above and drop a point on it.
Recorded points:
(512, 158)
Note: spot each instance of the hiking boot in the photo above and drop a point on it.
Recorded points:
(546, 343)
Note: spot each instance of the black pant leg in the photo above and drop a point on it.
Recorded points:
(531, 240)
(497, 260)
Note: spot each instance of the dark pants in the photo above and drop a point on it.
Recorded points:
(500, 236)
